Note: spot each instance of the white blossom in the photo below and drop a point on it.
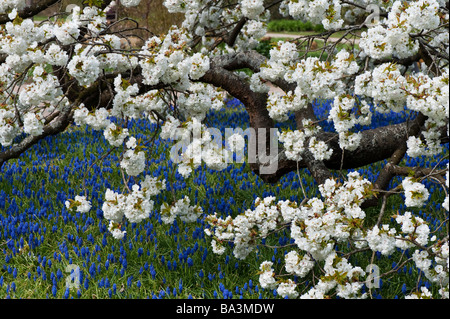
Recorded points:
(287, 289)
(252, 8)
(80, 203)
(130, 3)
(416, 194)
(266, 278)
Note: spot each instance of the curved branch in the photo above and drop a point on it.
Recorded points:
(234, 34)
(376, 144)
(28, 12)
(56, 126)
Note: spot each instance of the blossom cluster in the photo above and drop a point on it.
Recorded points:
(296, 142)
(392, 36)
(7, 6)
(314, 79)
(199, 100)
(130, 3)
(180, 209)
(323, 12)
(316, 228)
(415, 193)
(346, 113)
(252, 8)
(133, 159)
(414, 232)
(135, 206)
(167, 60)
(430, 96)
(41, 93)
(80, 204)
(245, 228)
(200, 16)
(390, 90)
(197, 144)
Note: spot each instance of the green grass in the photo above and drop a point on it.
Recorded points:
(265, 45)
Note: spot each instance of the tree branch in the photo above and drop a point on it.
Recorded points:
(376, 144)
(234, 34)
(28, 12)
(54, 127)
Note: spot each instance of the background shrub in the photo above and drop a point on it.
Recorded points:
(293, 26)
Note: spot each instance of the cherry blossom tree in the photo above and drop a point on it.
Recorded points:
(77, 67)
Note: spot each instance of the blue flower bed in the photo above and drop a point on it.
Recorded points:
(39, 238)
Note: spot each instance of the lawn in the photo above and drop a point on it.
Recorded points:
(40, 239)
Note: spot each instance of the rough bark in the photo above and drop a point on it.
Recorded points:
(31, 11)
(219, 76)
